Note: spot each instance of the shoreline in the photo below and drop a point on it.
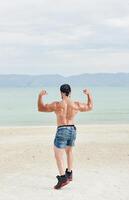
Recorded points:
(54, 126)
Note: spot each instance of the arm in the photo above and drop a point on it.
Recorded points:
(83, 107)
(45, 107)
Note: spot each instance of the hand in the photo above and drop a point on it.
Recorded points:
(86, 91)
(43, 93)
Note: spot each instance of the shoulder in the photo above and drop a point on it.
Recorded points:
(77, 103)
(56, 104)
(52, 106)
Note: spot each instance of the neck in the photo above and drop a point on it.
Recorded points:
(65, 97)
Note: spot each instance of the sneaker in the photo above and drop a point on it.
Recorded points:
(62, 181)
(69, 174)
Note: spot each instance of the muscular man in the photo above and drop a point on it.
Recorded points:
(65, 111)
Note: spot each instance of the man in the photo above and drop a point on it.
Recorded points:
(65, 111)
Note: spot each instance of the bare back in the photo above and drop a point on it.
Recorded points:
(65, 112)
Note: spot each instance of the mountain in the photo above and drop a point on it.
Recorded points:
(98, 79)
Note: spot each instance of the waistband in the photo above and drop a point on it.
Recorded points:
(69, 125)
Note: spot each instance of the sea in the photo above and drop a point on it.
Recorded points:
(18, 106)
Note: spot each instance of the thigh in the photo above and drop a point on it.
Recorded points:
(68, 149)
(58, 151)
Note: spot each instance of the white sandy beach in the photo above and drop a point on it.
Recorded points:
(101, 164)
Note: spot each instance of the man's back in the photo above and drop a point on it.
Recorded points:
(65, 112)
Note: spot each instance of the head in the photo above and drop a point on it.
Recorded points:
(65, 90)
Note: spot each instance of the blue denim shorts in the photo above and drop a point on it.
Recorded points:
(65, 136)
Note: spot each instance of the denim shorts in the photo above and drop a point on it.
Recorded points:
(65, 136)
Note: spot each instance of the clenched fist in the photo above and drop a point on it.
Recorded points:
(86, 91)
(43, 93)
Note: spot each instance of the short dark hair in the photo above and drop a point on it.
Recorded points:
(65, 88)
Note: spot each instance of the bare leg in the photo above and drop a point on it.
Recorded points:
(69, 154)
(59, 159)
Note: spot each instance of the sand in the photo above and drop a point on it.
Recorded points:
(101, 164)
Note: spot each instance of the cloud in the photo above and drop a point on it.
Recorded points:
(119, 22)
(62, 33)
(51, 38)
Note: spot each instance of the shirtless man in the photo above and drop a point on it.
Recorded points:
(65, 111)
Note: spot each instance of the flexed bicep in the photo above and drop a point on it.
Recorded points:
(82, 107)
(50, 107)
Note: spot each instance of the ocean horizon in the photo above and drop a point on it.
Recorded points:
(18, 106)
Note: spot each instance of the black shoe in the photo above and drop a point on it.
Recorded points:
(69, 174)
(62, 181)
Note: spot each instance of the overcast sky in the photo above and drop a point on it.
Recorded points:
(64, 36)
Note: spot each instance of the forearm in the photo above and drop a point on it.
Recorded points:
(40, 103)
(90, 100)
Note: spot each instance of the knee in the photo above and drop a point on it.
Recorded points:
(69, 152)
(57, 155)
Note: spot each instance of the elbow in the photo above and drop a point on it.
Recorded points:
(40, 110)
(90, 107)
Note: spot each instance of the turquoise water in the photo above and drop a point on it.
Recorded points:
(18, 106)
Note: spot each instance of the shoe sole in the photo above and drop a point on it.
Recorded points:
(63, 184)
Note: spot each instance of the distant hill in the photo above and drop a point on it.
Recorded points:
(98, 79)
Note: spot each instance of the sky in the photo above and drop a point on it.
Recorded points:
(64, 37)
